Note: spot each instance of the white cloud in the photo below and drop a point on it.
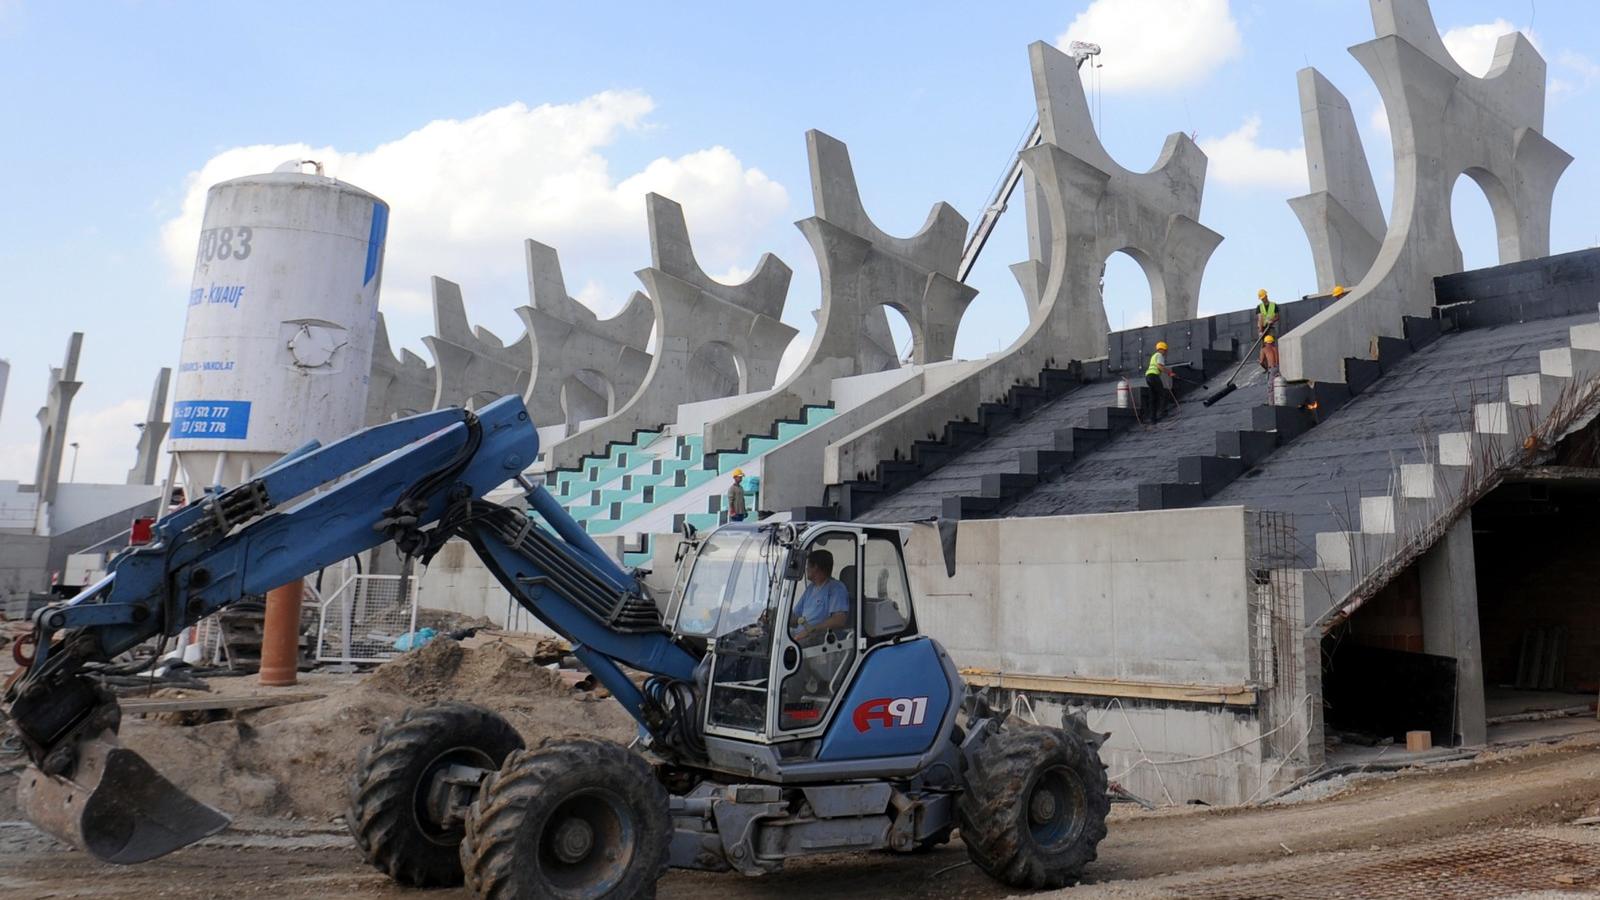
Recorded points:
(1156, 44)
(1473, 45)
(106, 439)
(465, 192)
(1238, 159)
(1581, 71)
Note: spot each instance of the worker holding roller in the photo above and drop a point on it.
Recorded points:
(1267, 325)
(1154, 380)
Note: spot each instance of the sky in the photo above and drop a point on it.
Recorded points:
(484, 124)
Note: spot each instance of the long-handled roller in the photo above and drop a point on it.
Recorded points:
(1230, 387)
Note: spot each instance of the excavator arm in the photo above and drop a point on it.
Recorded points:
(417, 481)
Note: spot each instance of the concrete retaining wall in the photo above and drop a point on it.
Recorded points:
(1147, 596)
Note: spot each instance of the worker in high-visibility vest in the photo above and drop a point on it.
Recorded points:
(1153, 380)
(1266, 323)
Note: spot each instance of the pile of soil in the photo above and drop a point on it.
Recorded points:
(295, 760)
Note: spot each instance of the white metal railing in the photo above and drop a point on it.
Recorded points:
(360, 620)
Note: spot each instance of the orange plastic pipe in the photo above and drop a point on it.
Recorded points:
(280, 636)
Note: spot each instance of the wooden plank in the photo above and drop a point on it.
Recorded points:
(1225, 695)
(186, 704)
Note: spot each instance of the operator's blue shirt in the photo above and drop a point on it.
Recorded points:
(821, 601)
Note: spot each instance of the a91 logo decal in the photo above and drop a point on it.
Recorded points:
(890, 712)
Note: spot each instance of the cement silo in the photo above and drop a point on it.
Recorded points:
(278, 342)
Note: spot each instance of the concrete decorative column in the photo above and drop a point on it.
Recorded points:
(398, 386)
(584, 367)
(153, 433)
(696, 319)
(1449, 579)
(863, 270)
(1341, 216)
(1446, 123)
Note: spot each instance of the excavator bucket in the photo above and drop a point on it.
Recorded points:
(115, 806)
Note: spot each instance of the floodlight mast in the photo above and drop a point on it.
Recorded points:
(1081, 51)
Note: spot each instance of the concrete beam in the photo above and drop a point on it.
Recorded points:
(1445, 123)
(699, 323)
(1341, 215)
(1450, 622)
(152, 432)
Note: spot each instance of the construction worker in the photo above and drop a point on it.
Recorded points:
(1266, 322)
(736, 505)
(1338, 291)
(1269, 355)
(1153, 380)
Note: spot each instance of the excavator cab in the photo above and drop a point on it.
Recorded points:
(793, 616)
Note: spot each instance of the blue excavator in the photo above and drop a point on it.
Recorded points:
(770, 725)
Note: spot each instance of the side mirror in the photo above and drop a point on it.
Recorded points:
(794, 565)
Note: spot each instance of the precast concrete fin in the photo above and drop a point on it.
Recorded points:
(474, 367)
(1082, 207)
(53, 418)
(863, 270)
(1445, 123)
(1095, 207)
(152, 431)
(397, 386)
(584, 367)
(712, 339)
(1341, 215)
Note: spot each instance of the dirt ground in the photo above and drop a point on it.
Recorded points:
(1497, 825)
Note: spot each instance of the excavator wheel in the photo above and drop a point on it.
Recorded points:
(1034, 808)
(576, 819)
(388, 814)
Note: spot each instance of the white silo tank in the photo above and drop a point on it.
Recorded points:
(277, 346)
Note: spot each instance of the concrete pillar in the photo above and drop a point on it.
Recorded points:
(1450, 622)
(152, 433)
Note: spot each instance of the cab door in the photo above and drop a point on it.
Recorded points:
(819, 639)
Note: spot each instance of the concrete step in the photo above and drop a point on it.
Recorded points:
(1379, 515)
(1473, 448)
(1432, 481)
(1537, 393)
(1321, 589)
(1570, 362)
(1352, 551)
(1249, 447)
(1585, 337)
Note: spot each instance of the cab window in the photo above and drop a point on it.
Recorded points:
(885, 598)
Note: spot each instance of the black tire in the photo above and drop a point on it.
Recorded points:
(1034, 808)
(600, 798)
(386, 815)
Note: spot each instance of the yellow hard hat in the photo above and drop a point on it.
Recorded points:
(1161, 345)
(1270, 339)
(738, 473)
(1338, 291)
(1261, 294)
